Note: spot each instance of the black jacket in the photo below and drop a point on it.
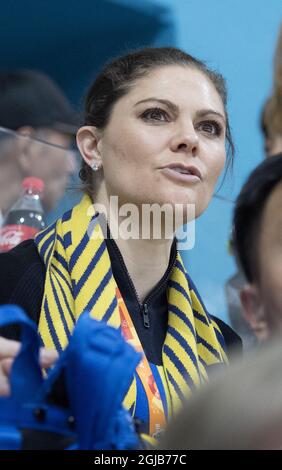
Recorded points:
(22, 276)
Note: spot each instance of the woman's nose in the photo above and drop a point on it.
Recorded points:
(185, 140)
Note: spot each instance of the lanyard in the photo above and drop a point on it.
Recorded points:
(157, 418)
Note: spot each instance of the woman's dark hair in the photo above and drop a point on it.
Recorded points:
(119, 75)
(248, 213)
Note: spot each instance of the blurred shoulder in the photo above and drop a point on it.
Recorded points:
(20, 257)
(22, 277)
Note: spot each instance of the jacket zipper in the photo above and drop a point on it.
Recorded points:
(145, 312)
(143, 306)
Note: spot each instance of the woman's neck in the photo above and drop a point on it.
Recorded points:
(146, 259)
(146, 262)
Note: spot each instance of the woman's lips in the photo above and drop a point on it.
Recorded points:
(176, 175)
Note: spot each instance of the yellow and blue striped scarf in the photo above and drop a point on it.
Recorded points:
(79, 278)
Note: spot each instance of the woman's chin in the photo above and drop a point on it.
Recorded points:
(175, 199)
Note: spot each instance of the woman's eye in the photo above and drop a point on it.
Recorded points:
(155, 114)
(210, 127)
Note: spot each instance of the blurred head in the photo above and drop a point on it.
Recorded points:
(258, 244)
(152, 116)
(48, 155)
(33, 105)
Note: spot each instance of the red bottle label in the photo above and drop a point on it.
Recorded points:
(12, 235)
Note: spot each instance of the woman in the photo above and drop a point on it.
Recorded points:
(155, 132)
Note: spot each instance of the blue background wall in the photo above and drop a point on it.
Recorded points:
(70, 40)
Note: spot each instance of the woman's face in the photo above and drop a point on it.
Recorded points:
(165, 141)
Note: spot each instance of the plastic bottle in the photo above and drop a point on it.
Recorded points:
(25, 218)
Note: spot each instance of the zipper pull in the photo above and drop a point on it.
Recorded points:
(146, 321)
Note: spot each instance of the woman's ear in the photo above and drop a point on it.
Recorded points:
(254, 311)
(88, 142)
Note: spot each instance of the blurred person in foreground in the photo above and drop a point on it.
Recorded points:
(258, 244)
(271, 127)
(33, 106)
